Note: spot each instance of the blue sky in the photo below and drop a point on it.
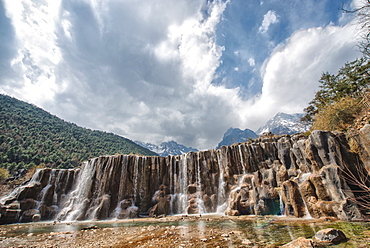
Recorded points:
(164, 70)
(241, 31)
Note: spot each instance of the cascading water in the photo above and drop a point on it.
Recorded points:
(200, 202)
(221, 196)
(241, 158)
(76, 204)
(175, 188)
(44, 191)
(302, 178)
(183, 180)
(282, 205)
(35, 179)
(122, 186)
(250, 178)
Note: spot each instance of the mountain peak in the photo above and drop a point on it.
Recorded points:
(167, 148)
(236, 135)
(283, 123)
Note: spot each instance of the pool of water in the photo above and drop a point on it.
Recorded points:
(261, 230)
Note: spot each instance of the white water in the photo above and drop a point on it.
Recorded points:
(121, 188)
(302, 178)
(183, 180)
(35, 179)
(42, 194)
(282, 204)
(78, 198)
(200, 202)
(221, 196)
(241, 158)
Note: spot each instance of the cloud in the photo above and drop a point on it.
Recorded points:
(268, 19)
(251, 62)
(36, 52)
(148, 70)
(125, 68)
(290, 75)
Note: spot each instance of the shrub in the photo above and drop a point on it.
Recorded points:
(4, 174)
(337, 116)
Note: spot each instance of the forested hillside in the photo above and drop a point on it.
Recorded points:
(30, 136)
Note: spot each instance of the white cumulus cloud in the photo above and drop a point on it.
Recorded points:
(268, 19)
(290, 75)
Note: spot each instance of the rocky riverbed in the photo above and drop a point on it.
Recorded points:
(178, 231)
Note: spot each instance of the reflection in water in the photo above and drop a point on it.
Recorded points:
(201, 228)
(290, 232)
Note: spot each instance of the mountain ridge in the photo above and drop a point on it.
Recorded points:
(31, 136)
(283, 123)
(236, 135)
(280, 124)
(167, 148)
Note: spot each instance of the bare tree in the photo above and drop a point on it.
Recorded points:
(358, 179)
(363, 15)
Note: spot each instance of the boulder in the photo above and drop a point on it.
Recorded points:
(131, 212)
(126, 203)
(302, 243)
(28, 215)
(163, 206)
(192, 206)
(36, 218)
(102, 212)
(330, 236)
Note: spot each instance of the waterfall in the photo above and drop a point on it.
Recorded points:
(200, 202)
(302, 178)
(175, 188)
(122, 187)
(221, 196)
(281, 204)
(78, 199)
(44, 191)
(35, 179)
(240, 179)
(183, 180)
(241, 158)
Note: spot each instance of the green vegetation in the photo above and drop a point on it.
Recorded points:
(4, 174)
(338, 101)
(350, 82)
(30, 137)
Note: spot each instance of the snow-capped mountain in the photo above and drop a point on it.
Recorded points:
(167, 148)
(284, 124)
(235, 135)
(280, 124)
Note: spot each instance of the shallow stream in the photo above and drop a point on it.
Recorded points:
(181, 231)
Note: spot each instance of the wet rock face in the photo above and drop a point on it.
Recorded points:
(290, 175)
(300, 177)
(39, 199)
